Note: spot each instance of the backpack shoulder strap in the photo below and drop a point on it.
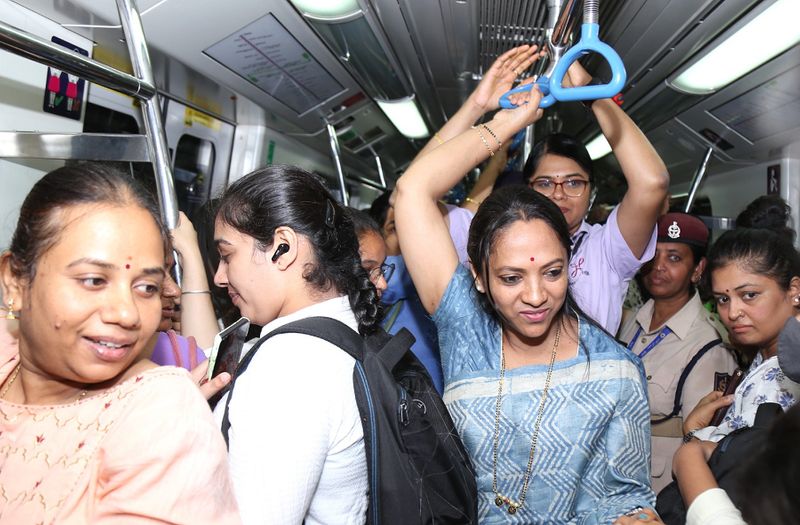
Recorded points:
(677, 405)
(393, 348)
(325, 328)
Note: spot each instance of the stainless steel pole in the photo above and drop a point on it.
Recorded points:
(380, 169)
(334, 142)
(159, 152)
(40, 50)
(698, 178)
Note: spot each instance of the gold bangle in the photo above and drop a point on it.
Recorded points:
(499, 143)
(192, 292)
(438, 138)
(473, 201)
(485, 142)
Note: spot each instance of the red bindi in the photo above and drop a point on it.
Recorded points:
(533, 259)
(127, 266)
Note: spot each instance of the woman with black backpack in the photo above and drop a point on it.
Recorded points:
(288, 251)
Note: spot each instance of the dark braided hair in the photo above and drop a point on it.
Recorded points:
(268, 198)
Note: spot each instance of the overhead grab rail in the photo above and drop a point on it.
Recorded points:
(40, 50)
(141, 86)
(550, 82)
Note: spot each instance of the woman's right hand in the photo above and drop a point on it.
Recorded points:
(702, 414)
(209, 388)
(501, 76)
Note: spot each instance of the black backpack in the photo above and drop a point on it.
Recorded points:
(726, 463)
(418, 469)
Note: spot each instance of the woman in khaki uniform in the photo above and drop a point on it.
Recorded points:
(675, 336)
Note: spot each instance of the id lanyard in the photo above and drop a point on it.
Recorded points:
(664, 332)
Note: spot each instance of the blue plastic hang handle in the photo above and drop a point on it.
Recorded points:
(544, 87)
(589, 43)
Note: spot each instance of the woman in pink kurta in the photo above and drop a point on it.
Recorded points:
(90, 431)
(143, 451)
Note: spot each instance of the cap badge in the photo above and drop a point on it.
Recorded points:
(674, 231)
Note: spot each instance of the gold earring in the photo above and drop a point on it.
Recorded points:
(10, 315)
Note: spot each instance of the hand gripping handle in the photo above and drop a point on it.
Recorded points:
(589, 43)
(544, 87)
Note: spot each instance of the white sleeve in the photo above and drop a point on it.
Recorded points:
(285, 411)
(713, 507)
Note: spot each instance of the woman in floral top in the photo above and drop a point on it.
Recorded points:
(755, 278)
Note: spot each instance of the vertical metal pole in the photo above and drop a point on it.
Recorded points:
(698, 178)
(527, 147)
(154, 128)
(334, 141)
(380, 170)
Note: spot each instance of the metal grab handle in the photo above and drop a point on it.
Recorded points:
(589, 43)
(544, 86)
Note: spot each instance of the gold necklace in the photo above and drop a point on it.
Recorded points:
(500, 499)
(14, 375)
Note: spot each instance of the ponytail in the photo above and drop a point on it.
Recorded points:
(276, 196)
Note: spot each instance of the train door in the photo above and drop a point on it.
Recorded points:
(201, 154)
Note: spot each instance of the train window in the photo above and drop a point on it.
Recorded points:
(192, 169)
(104, 120)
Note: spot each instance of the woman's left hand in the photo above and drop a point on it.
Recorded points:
(643, 516)
(527, 110)
(501, 76)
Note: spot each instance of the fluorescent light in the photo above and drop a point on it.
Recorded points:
(598, 147)
(405, 116)
(770, 33)
(328, 9)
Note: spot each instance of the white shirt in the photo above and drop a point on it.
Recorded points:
(713, 507)
(296, 442)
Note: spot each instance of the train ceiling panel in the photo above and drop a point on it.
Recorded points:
(438, 49)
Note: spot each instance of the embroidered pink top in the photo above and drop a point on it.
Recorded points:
(145, 451)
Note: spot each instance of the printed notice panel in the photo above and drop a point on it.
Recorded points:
(265, 54)
(63, 92)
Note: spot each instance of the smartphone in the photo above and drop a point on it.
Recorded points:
(227, 349)
(730, 388)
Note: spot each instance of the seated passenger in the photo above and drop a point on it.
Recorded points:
(552, 411)
(89, 432)
(667, 333)
(288, 251)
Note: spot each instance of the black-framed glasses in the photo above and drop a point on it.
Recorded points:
(384, 269)
(570, 187)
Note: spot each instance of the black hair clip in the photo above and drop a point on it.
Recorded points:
(330, 214)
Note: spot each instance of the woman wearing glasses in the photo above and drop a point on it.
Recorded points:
(372, 249)
(402, 307)
(604, 257)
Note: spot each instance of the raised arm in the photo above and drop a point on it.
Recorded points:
(485, 183)
(495, 82)
(424, 238)
(644, 171)
(197, 311)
